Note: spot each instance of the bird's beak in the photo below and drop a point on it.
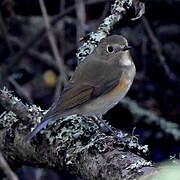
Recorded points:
(126, 48)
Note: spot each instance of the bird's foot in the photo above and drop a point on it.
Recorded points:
(107, 129)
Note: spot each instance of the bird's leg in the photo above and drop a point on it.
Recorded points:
(102, 125)
(107, 128)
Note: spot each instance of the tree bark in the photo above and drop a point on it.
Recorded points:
(75, 144)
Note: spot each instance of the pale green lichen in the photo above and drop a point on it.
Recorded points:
(73, 134)
(139, 164)
(149, 117)
(135, 145)
(174, 160)
(36, 114)
(132, 143)
(7, 119)
(120, 6)
(95, 144)
(123, 156)
(70, 132)
(13, 99)
(118, 9)
(121, 134)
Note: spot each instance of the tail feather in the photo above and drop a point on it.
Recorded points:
(36, 130)
(47, 118)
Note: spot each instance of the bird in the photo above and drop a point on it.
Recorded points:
(97, 85)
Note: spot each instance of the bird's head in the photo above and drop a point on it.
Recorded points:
(114, 49)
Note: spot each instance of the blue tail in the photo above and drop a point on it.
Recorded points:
(40, 126)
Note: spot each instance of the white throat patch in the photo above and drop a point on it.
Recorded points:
(126, 61)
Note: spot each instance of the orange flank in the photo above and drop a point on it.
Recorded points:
(120, 87)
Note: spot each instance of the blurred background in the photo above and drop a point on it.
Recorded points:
(29, 68)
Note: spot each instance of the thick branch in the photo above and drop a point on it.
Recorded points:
(13, 104)
(149, 117)
(6, 169)
(118, 10)
(75, 144)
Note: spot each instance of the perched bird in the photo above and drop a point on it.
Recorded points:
(98, 83)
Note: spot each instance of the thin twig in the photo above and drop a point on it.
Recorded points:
(36, 39)
(47, 60)
(6, 169)
(11, 103)
(140, 114)
(157, 48)
(63, 76)
(5, 34)
(105, 11)
(118, 10)
(41, 34)
(81, 19)
(52, 40)
(143, 57)
(22, 92)
(62, 6)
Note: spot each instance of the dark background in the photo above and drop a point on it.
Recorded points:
(156, 86)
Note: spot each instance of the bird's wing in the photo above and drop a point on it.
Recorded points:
(84, 86)
(81, 89)
(80, 94)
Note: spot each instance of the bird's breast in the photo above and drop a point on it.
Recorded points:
(123, 83)
(103, 103)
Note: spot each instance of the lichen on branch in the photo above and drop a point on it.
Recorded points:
(118, 10)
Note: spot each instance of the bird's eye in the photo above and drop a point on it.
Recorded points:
(110, 49)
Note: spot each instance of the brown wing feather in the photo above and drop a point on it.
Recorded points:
(83, 87)
(75, 97)
(70, 99)
(86, 86)
(79, 95)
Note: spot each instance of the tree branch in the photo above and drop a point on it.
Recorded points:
(75, 144)
(6, 169)
(13, 104)
(52, 41)
(149, 117)
(158, 49)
